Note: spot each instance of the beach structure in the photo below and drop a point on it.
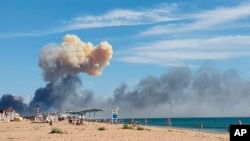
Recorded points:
(83, 112)
(52, 116)
(9, 115)
(93, 111)
(38, 116)
(80, 115)
(114, 116)
(45, 116)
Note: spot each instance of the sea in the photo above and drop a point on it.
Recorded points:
(210, 124)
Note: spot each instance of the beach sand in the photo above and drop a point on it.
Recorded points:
(27, 131)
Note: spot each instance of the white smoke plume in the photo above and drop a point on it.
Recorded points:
(73, 56)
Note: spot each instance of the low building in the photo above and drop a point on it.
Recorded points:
(8, 115)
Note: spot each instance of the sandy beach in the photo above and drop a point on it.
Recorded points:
(27, 131)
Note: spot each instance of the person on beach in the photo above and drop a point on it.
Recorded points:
(169, 122)
(239, 122)
(132, 121)
(50, 123)
(201, 126)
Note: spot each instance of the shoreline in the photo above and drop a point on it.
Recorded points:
(210, 124)
(189, 129)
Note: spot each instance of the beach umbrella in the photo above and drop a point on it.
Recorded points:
(96, 110)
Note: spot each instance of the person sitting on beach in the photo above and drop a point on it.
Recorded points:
(79, 122)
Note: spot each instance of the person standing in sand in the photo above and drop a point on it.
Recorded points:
(201, 126)
(239, 122)
(169, 122)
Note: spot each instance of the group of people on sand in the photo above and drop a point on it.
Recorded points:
(75, 121)
(133, 122)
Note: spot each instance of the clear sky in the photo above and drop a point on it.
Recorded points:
(148, 38)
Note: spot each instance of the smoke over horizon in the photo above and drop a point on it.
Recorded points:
(62, 96)
(178, 92)
(8, 101)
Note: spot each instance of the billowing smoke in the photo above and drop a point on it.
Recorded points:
(179, 92)
(64, 95)
(61, 65)
(153, 91)
(73, 56)
(9, 101)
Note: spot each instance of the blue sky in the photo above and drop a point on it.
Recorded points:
(148, 37)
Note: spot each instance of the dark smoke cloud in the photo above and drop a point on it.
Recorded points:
(179, 92)
(153, 91)
(63, 95)
(9, 101)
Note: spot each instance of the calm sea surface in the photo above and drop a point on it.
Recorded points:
(209, 124)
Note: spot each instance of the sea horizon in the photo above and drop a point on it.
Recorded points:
(210, 124)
